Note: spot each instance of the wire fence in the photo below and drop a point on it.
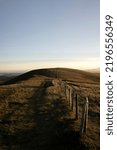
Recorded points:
(80, 111)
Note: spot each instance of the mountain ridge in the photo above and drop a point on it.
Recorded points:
(62, 73)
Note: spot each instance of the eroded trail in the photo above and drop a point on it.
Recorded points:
(40, 122)
(52, 118)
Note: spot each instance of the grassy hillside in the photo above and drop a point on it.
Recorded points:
(35, 115)
(61, 73)
(5, 78)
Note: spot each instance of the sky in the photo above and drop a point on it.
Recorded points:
(49, 33)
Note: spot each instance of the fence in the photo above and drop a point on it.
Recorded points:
(73, 101)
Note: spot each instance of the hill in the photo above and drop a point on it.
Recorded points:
(35, 112)
(61, 73)
(96, 70)
(4, 77)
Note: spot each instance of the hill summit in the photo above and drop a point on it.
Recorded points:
(61, 73)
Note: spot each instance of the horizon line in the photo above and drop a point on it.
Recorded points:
(26, 70)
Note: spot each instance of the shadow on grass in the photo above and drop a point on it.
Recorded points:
(52, 126)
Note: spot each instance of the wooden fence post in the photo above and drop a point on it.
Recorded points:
(86, 117)
(84, 122)
(66, 92)
(63, 86)
(72, 100)
(70, 97)
(77, 115)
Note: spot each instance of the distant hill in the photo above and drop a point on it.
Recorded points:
(96, 70)
(4, 77)
(62, 73)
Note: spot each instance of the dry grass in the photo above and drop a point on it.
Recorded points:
(34, 113)
(90, 89)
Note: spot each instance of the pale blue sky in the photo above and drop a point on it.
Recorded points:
(49, 33)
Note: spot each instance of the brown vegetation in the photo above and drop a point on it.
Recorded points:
(34, 113)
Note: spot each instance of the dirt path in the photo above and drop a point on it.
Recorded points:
(43, 122)
(52, 118)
